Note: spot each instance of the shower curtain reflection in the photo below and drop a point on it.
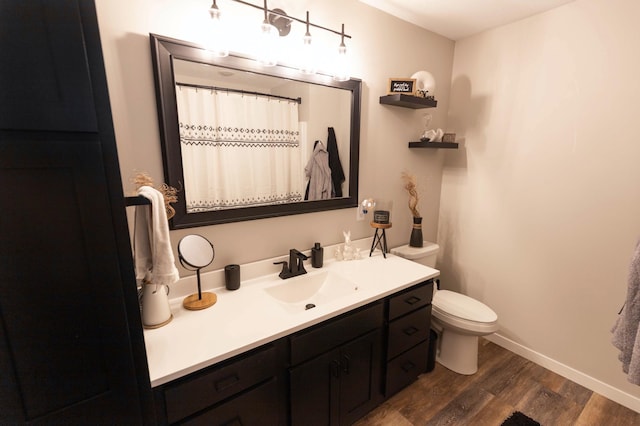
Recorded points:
(258, 134)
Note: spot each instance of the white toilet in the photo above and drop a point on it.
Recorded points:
(458, 319)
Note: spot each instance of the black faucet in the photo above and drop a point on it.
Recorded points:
(295, 266)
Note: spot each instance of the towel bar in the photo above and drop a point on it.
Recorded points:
(137, 200)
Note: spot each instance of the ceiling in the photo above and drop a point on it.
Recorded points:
(456, 19)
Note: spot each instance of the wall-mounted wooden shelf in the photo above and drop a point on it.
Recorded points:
(446, 145)
(408, 101)
(415, 102)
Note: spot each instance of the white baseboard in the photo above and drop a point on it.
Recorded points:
(574, 375)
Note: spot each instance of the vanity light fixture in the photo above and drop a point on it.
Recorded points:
(279, 19)
(308, 56)
(217, 44)
(277, 22)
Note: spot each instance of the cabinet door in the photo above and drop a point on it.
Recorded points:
(360, 377)
(314, 391)
(71, 343)
(64, 337)
(44, 78)
(340, 386)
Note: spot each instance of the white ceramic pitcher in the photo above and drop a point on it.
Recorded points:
(156, 311)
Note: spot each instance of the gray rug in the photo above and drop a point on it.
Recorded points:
(518, 419)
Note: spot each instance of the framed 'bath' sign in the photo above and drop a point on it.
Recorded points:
(406, 86)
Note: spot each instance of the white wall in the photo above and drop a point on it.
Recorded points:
(381, 47)
(540, 210)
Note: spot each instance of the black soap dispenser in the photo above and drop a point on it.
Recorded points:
(317, 255)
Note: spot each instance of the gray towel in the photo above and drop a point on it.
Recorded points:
(625, 330)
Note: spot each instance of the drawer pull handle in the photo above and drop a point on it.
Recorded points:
(345, 363)
(410, 330)
(227, 382)
(412, 300)
(234, 422)
(408, 366)
(335, 369)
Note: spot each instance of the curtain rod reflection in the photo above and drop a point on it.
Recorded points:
(244, 92)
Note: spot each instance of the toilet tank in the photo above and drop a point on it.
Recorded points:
(425, 255)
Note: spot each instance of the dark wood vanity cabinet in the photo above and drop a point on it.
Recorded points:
(336, 369)
(332, 373)
(71, 343)
(408, 324)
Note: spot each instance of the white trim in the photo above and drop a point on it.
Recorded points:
(608, 391)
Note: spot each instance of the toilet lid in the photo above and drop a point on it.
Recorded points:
(462, 306)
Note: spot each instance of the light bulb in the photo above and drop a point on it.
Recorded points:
(268, 45)
(342, 62)
(268, 41)
(307, 56)
(216, 37)
(342, 65)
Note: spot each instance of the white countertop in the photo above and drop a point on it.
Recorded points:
(247, 318)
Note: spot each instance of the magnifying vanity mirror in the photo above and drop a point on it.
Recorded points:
(196, 252)
(239, 140)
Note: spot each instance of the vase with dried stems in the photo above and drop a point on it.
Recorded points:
(169, 193)
(412, 189)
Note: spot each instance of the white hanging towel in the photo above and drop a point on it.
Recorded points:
(625, 331)
(153, 255)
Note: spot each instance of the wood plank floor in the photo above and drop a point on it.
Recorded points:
(505, 382)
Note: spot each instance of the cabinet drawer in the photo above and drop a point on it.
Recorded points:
(209, 387)
(408, 331)
(411, 299)
(332, 333)
(255, 407)
(405, 368)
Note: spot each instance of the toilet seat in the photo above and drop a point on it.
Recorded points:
(464, 313)
(463, 307)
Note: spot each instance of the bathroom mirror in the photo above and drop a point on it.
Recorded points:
(322, 106)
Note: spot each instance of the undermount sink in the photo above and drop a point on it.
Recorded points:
(308, 291)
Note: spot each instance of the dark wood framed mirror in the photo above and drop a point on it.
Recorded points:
(170, 56)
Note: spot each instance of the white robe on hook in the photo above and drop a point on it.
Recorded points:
(626, 330)
(319, 174)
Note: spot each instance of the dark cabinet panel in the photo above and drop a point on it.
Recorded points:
(360, 377)
(248, 389)
(340, 386)
(408, 327)
(210, 386)
(256, 407)
(67, 338)
(404, 369)
(328, 335)
(410, 300)
(45, 79)
(71, 342)
(408, 331)
(314, 390)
